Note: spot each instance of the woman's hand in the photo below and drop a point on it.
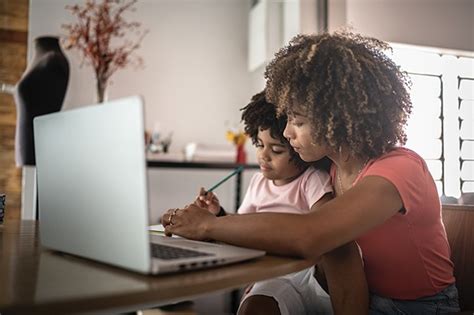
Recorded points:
(190, 222)
(208, 200)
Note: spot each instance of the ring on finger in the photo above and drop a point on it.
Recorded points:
(173, 213)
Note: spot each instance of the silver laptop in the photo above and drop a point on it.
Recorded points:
(92, 190)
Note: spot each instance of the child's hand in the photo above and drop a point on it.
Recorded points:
(208, 200)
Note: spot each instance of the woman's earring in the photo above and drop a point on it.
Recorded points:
(340, 154)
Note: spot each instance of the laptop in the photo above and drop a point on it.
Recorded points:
(93, 195)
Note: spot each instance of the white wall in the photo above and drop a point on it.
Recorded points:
(195, 79)
(195, 76)
(436, 23)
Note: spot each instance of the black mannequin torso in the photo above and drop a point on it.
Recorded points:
(40, 91)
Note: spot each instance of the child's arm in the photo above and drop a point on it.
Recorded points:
(209, 201)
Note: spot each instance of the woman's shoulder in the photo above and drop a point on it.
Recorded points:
(401, 151)
(399, 154)
(401, 160)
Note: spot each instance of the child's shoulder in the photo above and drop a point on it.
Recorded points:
(313, 174)
(315, 183)
(257, 178)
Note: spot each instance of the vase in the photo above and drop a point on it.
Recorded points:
(101, 89)
(241, 155)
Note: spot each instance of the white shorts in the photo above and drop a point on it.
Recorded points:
(296, 293)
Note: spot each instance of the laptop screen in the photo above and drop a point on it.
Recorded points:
(92, 183)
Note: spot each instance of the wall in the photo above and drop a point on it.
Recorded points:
(194, 82)
(13, 44)
(436, 23)
(171, 188)
(284, 20)
(195, 76)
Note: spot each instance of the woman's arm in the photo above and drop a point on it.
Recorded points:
(339, 221)
(344, 276)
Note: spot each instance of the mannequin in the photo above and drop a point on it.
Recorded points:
(40, 91)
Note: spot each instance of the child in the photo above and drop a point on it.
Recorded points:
(285, 184)
(283, 174)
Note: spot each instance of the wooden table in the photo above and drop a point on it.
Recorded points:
(38, 281)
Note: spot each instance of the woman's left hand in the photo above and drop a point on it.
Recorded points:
(190, 222)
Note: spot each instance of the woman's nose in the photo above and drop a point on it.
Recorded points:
(287, 132)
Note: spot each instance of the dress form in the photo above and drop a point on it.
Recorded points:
(40, 91)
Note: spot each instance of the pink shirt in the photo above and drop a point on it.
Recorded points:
(295, 197)
(408, 256)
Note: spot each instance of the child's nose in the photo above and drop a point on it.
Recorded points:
(264, 155)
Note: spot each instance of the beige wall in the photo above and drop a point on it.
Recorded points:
(195, 76)
(436, 23)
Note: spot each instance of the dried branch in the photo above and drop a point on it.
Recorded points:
(99, 35)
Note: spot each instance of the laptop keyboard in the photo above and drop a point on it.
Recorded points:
(169, 252)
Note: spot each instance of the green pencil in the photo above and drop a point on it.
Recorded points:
(236, 171)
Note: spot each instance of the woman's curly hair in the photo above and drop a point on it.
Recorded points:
(261, 115)
(352, 92)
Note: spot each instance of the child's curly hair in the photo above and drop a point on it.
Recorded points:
(354, 94)
(261, 115)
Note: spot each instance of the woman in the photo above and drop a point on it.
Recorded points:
(346, 100)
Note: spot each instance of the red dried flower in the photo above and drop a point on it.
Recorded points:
(98, 35)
